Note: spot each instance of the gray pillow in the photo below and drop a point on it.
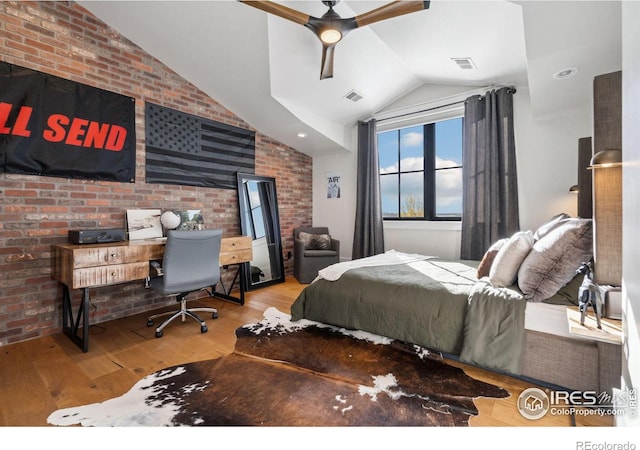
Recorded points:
(555, 257)
(550, 225)
(315, 241)
(504, 270)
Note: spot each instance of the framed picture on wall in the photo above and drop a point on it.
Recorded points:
(333, 184)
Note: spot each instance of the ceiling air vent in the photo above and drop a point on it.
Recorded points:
(464, 63)
(353, 96)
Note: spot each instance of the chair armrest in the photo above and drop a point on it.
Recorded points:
(298, 247)
(155, 269)
(335, 245)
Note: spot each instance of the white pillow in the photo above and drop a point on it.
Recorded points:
(504, 270)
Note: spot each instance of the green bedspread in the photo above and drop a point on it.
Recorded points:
(435, 303)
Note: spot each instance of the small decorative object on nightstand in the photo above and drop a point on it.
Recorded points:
(589, 294)
(612, 302)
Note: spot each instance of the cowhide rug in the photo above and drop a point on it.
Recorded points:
(285, 373)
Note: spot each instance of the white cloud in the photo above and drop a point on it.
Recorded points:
(442, 163)
(389, 169)
(448, 183)
(412, 163)
(412, 139)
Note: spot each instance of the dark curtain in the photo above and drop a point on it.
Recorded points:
(368, 236)
(490, 186)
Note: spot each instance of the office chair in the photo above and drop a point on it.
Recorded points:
(190, 264)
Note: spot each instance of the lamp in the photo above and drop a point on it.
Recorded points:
(170, 220)
(329, 30)
(330, 36)
(606, 158)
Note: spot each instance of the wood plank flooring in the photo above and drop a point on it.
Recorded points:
(40, 376)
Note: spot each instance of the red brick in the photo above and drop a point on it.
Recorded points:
(59, 204)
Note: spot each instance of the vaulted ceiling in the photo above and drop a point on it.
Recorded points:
(267, 69)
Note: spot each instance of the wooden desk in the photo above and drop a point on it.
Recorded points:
(84, 266)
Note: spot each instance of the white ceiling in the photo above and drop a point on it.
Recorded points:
(266, 69)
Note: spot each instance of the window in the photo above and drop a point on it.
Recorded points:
(420, 169)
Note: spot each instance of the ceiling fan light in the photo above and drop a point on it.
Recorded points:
(330, 36)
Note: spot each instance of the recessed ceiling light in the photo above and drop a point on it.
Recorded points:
(302, 135)
(565, 73)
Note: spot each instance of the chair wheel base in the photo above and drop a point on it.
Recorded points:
(214, 315)
(149, 323)
(159, 334)
(203, 329)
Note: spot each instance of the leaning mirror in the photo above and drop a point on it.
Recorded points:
(259, 218)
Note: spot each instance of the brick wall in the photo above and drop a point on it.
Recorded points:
(62, 39)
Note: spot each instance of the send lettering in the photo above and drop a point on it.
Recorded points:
(60, 128)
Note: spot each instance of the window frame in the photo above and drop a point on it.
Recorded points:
(427, 121)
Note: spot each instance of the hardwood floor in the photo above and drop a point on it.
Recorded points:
(40, 376)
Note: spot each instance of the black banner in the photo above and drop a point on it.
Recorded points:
(56, 127)
(189, 150)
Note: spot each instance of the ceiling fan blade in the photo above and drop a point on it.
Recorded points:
(327, 61)
(390, 10)
(279, 10)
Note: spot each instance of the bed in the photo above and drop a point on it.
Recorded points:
(506, 313)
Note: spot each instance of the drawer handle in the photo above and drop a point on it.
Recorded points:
(113, 274)
(113, 255)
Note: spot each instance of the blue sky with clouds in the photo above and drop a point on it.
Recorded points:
(410, 142)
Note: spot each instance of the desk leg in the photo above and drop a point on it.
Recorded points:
(70, 325)
(226, 292)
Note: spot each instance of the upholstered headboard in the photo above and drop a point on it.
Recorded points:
(607, 182)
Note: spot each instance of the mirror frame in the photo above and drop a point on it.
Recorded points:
(273, 217)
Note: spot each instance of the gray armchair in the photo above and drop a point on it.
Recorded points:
(190, 263)
(313, 250)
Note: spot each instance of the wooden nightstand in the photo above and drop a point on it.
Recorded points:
(611, 331)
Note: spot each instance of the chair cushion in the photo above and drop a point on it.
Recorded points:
(312, 253)
(315, 241)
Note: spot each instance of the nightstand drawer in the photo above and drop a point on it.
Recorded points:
(232, 244)
(235, 250)
(235, 257)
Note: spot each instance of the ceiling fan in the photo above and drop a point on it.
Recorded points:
(331, 28)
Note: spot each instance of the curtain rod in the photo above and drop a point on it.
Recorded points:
(421, 111)
(511, 90)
